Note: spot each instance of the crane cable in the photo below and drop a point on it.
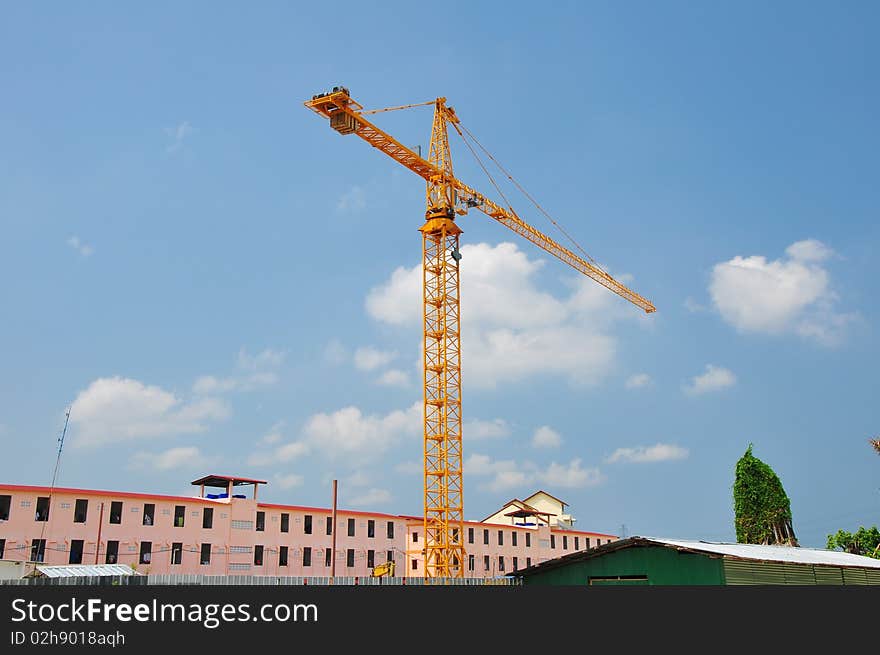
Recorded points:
(527, 195)
(485, 170)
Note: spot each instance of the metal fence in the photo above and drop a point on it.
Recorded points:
(257, 580)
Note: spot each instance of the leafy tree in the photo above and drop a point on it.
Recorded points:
(761, 507)
(863, 542)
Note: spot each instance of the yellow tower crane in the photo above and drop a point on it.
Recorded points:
(446, 196)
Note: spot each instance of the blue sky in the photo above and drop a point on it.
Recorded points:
(217, 282)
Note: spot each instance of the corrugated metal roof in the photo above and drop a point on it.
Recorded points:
(750, 552)
(78, 570)
(775, 553)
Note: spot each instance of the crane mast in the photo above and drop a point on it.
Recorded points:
(444, 501)
(446, 196)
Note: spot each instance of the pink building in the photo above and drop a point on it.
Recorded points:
(225, 532)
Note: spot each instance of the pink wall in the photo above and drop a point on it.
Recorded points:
(233, 536)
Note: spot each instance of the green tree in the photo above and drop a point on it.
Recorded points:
(865, 541)
(761, 507)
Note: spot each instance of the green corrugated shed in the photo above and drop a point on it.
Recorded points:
(646, 561)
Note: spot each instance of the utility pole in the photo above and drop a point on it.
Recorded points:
(333, 536)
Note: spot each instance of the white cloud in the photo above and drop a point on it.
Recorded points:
(255, 374)
(788, 295)
(504, 474)
(274, 435)
(371, 497)
(393, 378)
(809, 250)
(660, 452)
(188, 457)
(118, 409)
(637, 381)
(693, 306)
(282, 453)
(715, 378)
(288, 480)
(178, 135)
(369, 358)
(83, 249)
(476, 429)
(546, 437)
(349, 433)
(359, 478)
(507, 475)
(267, 358)
(570, 476)
(352, 201)
(511, 329)
(208, 384)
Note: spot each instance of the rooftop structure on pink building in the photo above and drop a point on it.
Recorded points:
(227, 530)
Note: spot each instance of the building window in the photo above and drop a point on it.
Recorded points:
(371, 528)
(258, 555)
(80, 510)
(146, 552)
(501, 562)
(208, 518)
(42, 513)
(328, 555)
(371, 558)
(389, 556)
(76, 552)
(205, 555)
(149, 513)
(349, 557)
(528, 539)
(565, 542)
(390, 530)
(261, 521)
(470, 562)
(528, 561)
(513, 537)
(515, 563)
(2, 548)
(179, 515)
(486, 537)
(176, 553)
(282, 556)
(576, 544)
(455, 539)
(112, 555)
(500, 537)
(329, 525)
(415, 565)
(485, 562)
(470, 536)
(587, 543)
(307, 524)
(307, 556)
(350, 527)
(552, 541)
(5, 504)
(285, 523)
(116, 511)
(38, 550)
